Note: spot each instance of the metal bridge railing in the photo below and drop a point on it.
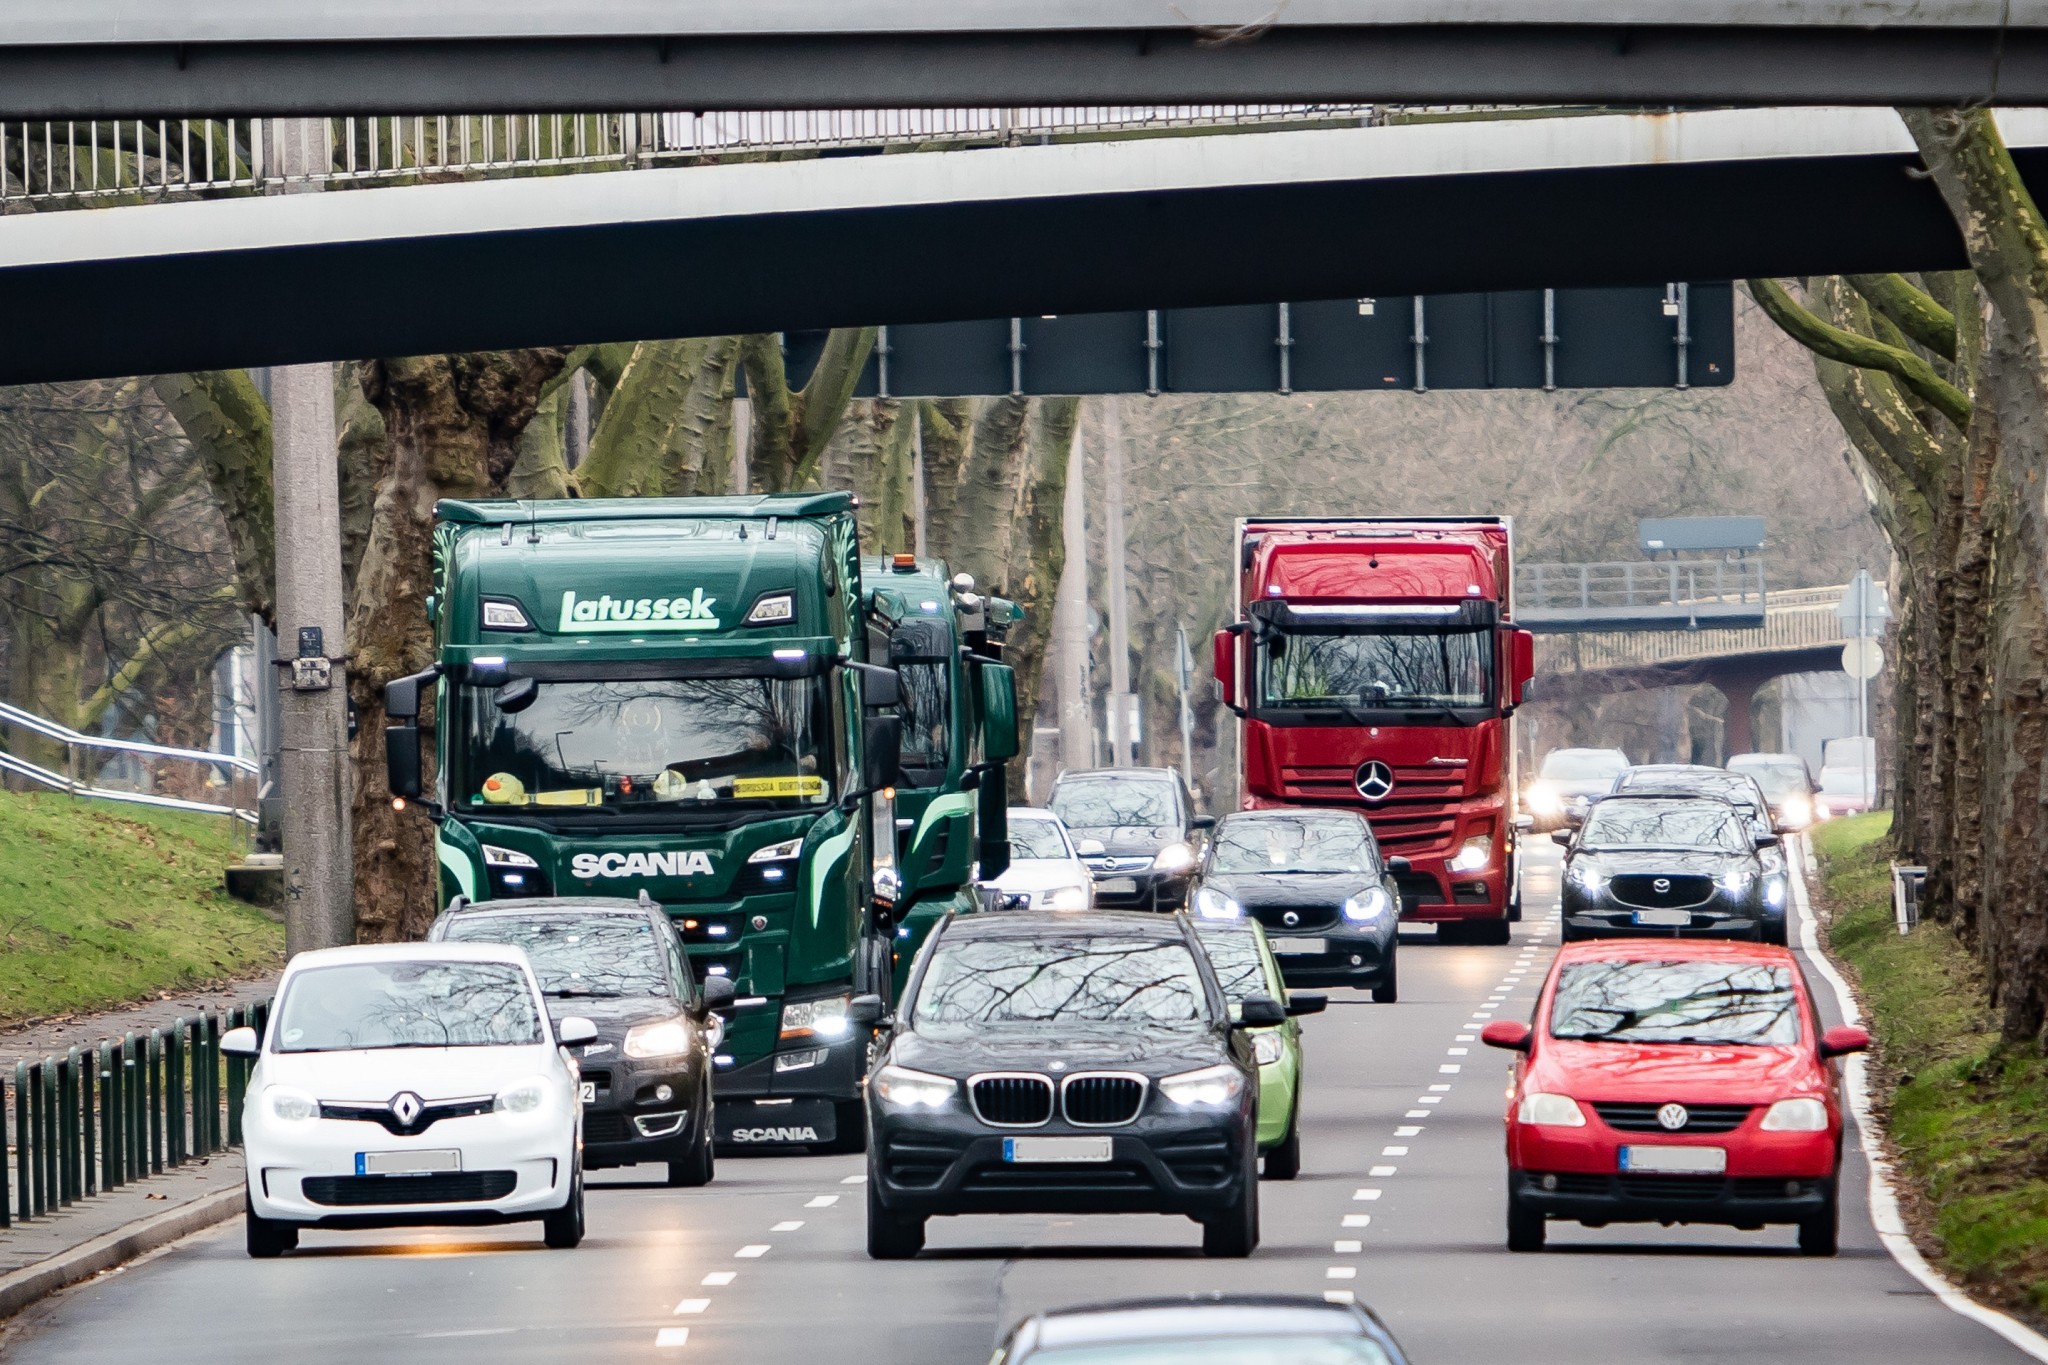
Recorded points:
(1629, 584)
(1797, 619)
(243, 772)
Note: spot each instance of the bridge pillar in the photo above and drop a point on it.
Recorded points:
(1737, 731)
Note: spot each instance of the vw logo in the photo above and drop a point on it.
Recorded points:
(1290, 918)
(406, 1107)
(1673, 1117)
(1374, 780)
(1663, 884)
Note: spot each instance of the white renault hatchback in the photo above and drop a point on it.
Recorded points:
(411, 1083)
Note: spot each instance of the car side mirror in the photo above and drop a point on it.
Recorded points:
(575, 1030)
(1785, 827)
(1512, 1034)
(866, 1010)
(1202, 822)
(1575, 818)
(718, 993)
(1560, 836)
(517, 695)
(1768, 841)
(1091, 848)
(1306, 1002)
(1398, 864)
(240, 1042)
(1260, 1011)
(1836, 1042)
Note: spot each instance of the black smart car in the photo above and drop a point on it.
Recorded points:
(1061, 1062)
(1137, 830)
(1671, 866)
(1316, 880)
(647, 1075)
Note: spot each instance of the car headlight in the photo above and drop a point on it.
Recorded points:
(824, 1018)
(1268, 1048)
(522, 1098)
(1475, 853)
(1066, 898)
(1588, 877)
(1798, 810)
(1550, 1111)
(1774, 892)
(293, 1106)
(662, 1038)
(1212, 1087)
(903, 1088)
(1736, 882)
(1213, 904)
(1543, 798)
(506, 857)
(1368, 904)
(1174, 858)
(1796, 1116)
(776, 852)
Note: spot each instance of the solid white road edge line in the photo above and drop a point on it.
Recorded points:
(1884, 1202)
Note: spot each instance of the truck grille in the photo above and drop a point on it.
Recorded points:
(1012, 1101)
(1678, 892)
(1101, 1101)
(1699, 1118)
(455, 1187)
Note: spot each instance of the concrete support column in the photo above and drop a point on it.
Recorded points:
(1070, 618)
(1737, 733)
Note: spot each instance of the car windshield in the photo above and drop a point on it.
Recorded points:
(1356, 668)
(1225, 1350)
(679, 744)
(1032, 839)
(1746, 1003)
(1779, 780)
(1291, 843)
(1234, 953)
(1062, 980)
(926, 708)
(363, 1005)
(1622, 824)
(601, 955)
(1109, 802)
(1582, 765)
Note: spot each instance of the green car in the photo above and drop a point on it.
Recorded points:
(1244, 964)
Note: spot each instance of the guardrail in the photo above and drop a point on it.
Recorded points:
(245, 771)
(1630, 584)
(99, 1118)
(1796, 619)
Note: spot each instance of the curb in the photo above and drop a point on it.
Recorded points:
(23, 1287)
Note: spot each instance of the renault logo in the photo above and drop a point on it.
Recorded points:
(1374, 780)
(1673, 1116)
(406, 1107)
(1662, 884)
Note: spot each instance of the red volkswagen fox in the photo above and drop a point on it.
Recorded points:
(1674, 1081)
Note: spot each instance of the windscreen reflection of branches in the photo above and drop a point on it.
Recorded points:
(1023, 981)
(1620, 824)
(407, 1004)
(1742, 1003)
(1111, 803)
(926, 712)
(1234, 953)
(1291, 843)
(1359, 669)
(1036, 839)
(577, 955)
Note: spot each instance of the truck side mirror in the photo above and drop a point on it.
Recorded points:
(1521, 664)
(881, 689)
(1223, 648)
(517, 695)
(881, 751)
(402, 697)
(998, 712)
(402, 759)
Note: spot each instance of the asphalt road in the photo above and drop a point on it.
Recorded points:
(1400, 1202)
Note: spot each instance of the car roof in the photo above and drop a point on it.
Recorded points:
(1673, 950)
(406, 952)
(1242, 817)
(1759, 759)
(527, 905)
(1205, 1316)
(1144, 774)
(1068, 924)
(1666, 794)
(1032, 813)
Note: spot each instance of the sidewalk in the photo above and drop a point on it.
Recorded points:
(31, 1042)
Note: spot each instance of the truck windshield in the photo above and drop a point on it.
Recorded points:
(1374, 670)
(673, 743)
(927, 712)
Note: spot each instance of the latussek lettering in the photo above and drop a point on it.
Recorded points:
(608, 613)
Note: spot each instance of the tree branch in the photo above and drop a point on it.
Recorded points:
(818, 408)
(1915, 311)
(1826, 339)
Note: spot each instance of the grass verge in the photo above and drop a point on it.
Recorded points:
(101, 904)
(1967, 1115)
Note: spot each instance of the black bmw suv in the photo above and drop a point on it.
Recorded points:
(1670, 866)
(1062, 1062)
(646, 1077)
(1137, 830)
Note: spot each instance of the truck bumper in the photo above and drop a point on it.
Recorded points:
(767, 1103)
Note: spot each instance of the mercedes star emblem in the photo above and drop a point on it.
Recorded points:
(406, 1107)
(1290, 918)
(1375, 780)
(1673, 1116)
(1662, 884)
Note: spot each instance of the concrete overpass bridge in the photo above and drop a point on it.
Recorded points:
(1800, 634)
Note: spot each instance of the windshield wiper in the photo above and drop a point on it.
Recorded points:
(572, 992)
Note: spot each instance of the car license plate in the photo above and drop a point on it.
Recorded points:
(1056, 1149)
(1665, 919)
(1675, 1160)
(587, 1091)
(1118, 886)
(408, 1163)
(1299, 945)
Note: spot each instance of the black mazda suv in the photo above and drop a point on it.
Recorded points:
(1671, 866)
(1055, 1062)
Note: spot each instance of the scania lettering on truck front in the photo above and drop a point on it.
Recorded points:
(1375, 663)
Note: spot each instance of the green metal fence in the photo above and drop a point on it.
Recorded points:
(99, 1118)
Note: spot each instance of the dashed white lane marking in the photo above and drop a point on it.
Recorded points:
(753, 1251)
(1440, 1088)
(672, 1336)
(823, 1201)
(1407, 1130)
(1393, 1151)
(1429, 1099)
(1449, 1069)
(1380, 1172)
(1357, 1220)
(1467, 1038)
(718, 1279)
(1340, 1272)
(1339, 1296)
(1346, 1246)
(692, 1306)
(789, 1225)
(1458, 1052)
(1366, 1195)
(855, 1179)
(1416, 1114)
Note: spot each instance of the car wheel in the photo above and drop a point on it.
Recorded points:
(1820, 1234)
(563, 1228)
(697, 1167)
(1284, 1161)
(850, 1129)
(891, 1237)
(1234, 1229)
(1387, 990)
(268, 1238)
(1525, 1226)
(1489, 932)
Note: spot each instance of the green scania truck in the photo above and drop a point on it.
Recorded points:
(689, 697)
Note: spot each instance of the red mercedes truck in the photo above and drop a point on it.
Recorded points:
(1375, 663)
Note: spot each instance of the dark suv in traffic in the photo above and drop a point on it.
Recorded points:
(1137, 831)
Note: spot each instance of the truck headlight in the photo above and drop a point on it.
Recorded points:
(522, 1098)
(1268, 1048)
(293, 1106)
(1368, 904)
(662, 1038)
(1476, 853)
(788, 848)
(1550, 1111)
(1175, 857)
(902, 1088)
(1796, 1116)
(1588, 878)
(1212, 1087)
(1066, 898)
(824, 1018)
(506, 857)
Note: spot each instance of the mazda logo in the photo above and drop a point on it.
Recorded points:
(1290, 918)
(1374, 780)
(1664, 884)
(1673, 1116)
(406, 1107)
